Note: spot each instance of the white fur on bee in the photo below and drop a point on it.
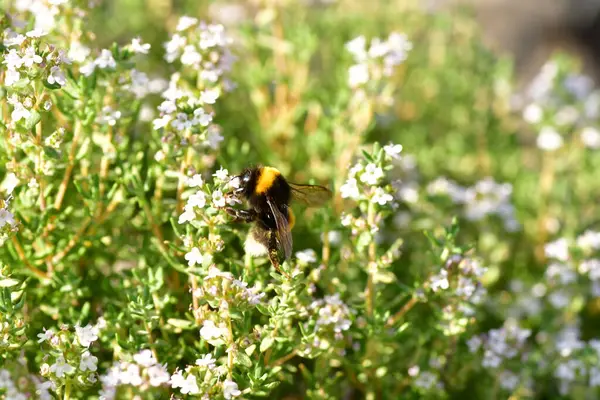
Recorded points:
(253, 247)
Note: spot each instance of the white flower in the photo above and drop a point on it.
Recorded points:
(19, 112)
(138, 47)
(161, 122)
(426, 380)
(559, 249)
(474, 344)
(210, 331)
(509, 380)
(439, 281)
(57, 76)
(185, 22)
(399, 46)
(349, 190)
(357, 47)
(87, 69)
(197, 200)
(105, 60)
(11, 77)
(393, 150)
(6, 217)
(372, 174)
(358, 75)
(12, 60)
(207, 361)
(230, 389)
(145, 358)
(48, 333)
(590, 137)
(13, 38)
(190, 56)
(194, 257)
(177, 379)
(202, 117)
(594, 376)
(60, 367)
(221, 175)
(86, 335)
(88, 362)
(214, 137)
(306, 256)
(10, 182)
(187, 215)
(195, 181)
(189, 385)
(167, 107)
(209, 96)
(381, 197)
(218, 200)
(533, 113)
(158, 375)
(130, 374)
(173, 47)
(36, 33)
(234, 183)
(549, 139)
(31, 57)
(78, 52)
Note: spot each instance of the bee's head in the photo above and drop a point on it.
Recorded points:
(244, 183)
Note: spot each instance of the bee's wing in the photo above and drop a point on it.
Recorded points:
(283, 228)
(310, 195)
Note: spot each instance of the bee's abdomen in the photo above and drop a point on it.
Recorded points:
(257, 241)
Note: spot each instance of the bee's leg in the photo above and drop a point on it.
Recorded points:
(273, 249)
(241, 215)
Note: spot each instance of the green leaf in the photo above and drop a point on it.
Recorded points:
(243, 359)
(51, 152)
(250, 349)
(51, 86)
(180, 323)
(33, 119)
(8, 282)
(266, 344)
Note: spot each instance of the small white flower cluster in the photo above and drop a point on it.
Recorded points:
(460, 278)
(196, 202)
(501, 344)
(557, 99)
(20, 389)
(46, 13)
(143, 372)
(8, 387)
(74, 357)
(204, 49)
(379, 60)
(188, 384)
(484, 198)
(8, 225)
(365, 180)
(331, 317)
(221, 290)
(22, 56)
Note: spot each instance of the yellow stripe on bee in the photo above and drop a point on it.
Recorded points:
(266, 179)
(291, 218)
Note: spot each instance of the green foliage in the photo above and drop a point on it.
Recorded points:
(460, 263)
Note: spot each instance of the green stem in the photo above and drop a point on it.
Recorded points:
(67, 394)
(372, 254)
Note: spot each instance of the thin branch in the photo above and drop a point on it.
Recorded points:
(69, 170)
(21, 253)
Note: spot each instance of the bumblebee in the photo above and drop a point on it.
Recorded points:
(268, 195)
